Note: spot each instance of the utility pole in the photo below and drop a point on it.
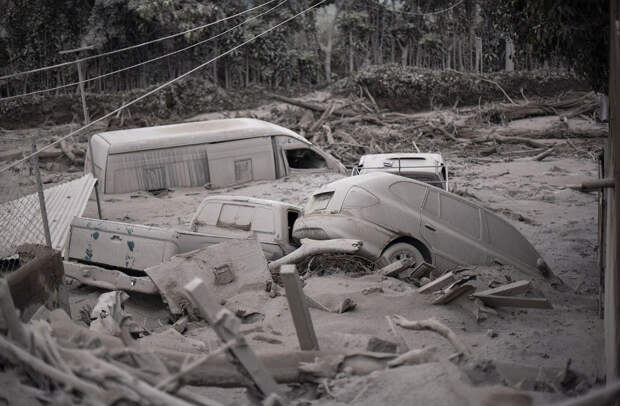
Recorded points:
(80, 51)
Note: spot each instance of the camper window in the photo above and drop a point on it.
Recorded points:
(304, 158)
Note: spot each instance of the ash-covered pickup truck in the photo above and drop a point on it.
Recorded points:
(217, 219)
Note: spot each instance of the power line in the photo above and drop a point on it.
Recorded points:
(163, 86)
(426, 13)
(116, 51)
(147, 61)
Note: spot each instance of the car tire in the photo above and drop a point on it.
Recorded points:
(399, 251)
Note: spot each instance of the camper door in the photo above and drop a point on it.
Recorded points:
(241, 161)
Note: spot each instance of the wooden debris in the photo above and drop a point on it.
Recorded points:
(511, 301)
(319, 123)
(109, 278)
(433, 325)
(452, 293)
(396, 267)
(438, 283)
(594, 185)
(314, 247)
(422, 270)
(226, 326)
(455, 290)
(299, 310)
(513, 288)
(544, 154)
(414, 357)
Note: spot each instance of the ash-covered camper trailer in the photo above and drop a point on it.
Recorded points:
(213, 154)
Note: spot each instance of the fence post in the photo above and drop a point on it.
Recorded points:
(37, 175)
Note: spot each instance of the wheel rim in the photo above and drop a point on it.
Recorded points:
(404, 253)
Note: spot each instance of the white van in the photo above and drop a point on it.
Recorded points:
(213, 154)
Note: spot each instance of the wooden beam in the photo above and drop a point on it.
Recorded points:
(453, 293)
(443, 280)
(513, 301)
(396, 267)
(594, 185)
(514, 288)
(299, 308)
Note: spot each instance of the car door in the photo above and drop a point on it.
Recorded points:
(453, 228)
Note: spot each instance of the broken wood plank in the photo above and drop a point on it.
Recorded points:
(396, 267)
(512, 301)
(513, 288)
(314, 247)
(226, 326)
(110, 279)
(438, 283)
(299, 309)
(452, 293)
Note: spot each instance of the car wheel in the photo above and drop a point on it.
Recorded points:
(399, 251)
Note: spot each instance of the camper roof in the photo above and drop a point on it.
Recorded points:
(175, 135)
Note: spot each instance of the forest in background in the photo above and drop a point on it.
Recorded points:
(337, 39)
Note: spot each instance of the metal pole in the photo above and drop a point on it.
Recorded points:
(37, 175)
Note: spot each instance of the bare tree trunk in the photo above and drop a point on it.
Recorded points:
(510, 63)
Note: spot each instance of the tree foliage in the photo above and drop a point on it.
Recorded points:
(429, 34)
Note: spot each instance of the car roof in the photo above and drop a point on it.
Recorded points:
(414, 159)
(184, 134)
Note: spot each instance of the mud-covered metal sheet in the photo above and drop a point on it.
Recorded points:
(20, 220)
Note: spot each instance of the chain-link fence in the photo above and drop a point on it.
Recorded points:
(22, 215)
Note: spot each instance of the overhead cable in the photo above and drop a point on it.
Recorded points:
(161, 87)
(116, 51)
(147, 61)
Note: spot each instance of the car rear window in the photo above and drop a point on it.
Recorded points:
(358, 198)
(320, 201)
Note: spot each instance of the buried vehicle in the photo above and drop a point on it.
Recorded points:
(218, 218)
(425, 167)
(396, 217)
(213, 154)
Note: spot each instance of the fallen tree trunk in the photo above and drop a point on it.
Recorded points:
(312, 106)
(315, 247)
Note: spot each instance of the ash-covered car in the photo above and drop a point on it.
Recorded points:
(396, 217)
(425, 167)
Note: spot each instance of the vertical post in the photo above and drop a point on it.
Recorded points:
(80, 77)
(612, 277)
(299, 308)
(98, 200)
(82, 95)
(37, 175)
